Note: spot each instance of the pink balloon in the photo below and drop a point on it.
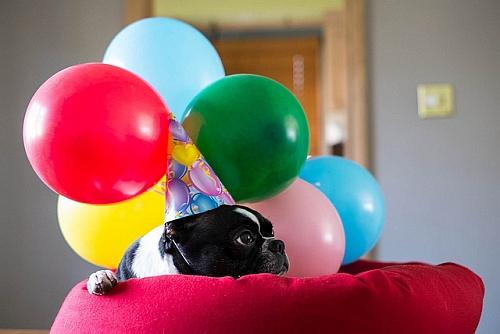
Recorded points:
(310, 227)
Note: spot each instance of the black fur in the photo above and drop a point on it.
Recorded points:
(124, 270)
(206, 244)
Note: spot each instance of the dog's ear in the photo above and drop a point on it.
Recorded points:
(180, 229)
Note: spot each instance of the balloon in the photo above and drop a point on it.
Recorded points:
(175, 58)
(202, 203)
(185, 154)
(102, 233)
(178, 132)
(310, 227)
(357, 197)
(204, 179)
(252, 131)
(97, 134)
(176, 170)
(178, 195)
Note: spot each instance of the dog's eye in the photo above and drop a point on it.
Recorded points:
(245, 239)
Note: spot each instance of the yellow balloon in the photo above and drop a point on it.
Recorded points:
(185, 154)
(102, 233)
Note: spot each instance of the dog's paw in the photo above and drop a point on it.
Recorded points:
(101, 282)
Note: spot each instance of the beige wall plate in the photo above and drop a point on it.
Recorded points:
(435, 100)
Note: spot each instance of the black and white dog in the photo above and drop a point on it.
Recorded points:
(231, 240)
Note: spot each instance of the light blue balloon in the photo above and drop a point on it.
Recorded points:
(357, 197)
(175, 58)
(202, 203)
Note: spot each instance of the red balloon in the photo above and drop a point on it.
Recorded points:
(97, 134)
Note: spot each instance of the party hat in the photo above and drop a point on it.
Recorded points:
(192, 186)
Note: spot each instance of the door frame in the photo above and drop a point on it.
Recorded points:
(343, 67)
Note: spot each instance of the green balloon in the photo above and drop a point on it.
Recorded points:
(252, 131)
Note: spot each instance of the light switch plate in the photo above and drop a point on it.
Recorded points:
(435, 100)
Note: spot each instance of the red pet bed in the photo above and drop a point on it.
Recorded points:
(367, 297)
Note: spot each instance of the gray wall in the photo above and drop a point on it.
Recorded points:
(441, 177)
(38, 38)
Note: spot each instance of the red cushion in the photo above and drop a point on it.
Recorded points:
(368, 298)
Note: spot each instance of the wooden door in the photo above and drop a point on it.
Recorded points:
(292, 61)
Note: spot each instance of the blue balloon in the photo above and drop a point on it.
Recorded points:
(202, 203)
(176, 170)
(175, 58)
(357, 197)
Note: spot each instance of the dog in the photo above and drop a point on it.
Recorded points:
(231, 240)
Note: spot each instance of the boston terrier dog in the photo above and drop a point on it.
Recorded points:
(231, 240)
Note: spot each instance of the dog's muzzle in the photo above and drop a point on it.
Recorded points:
(276, 248)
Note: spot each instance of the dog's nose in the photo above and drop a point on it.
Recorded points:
(277, 246)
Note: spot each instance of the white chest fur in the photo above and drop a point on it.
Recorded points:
(148, 260)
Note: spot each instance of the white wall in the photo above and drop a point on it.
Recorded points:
(38, 38)
(441, 177)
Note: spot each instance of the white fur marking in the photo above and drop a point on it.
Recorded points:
(148, 260)
(249, 215)
(253, 218)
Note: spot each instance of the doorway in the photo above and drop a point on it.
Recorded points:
(293, 61)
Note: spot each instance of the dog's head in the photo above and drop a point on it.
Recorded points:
(231, 240)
